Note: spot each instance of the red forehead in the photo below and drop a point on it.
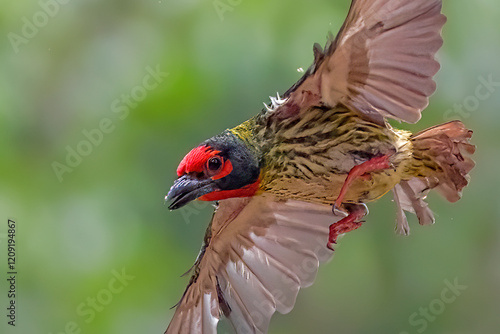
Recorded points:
(195, 160)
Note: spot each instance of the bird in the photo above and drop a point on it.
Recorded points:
(292, 179)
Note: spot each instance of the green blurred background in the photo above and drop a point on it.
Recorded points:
(107, 215)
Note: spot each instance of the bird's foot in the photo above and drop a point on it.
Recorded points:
(347, 224)
(362, 171)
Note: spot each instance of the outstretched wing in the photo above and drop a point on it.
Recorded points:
(259, 252)
(380, 64)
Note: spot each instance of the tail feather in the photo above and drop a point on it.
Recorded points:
(442, 150)
(445, 145)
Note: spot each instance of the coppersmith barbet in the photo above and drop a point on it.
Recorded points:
(291, 179)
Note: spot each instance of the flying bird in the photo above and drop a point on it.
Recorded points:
(293, 178)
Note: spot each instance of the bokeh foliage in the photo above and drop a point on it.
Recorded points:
(108, 212)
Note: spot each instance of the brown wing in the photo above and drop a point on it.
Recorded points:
(380, 64)
(257, 256)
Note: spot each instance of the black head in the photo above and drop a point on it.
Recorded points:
(219, 168)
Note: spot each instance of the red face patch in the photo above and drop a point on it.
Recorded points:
(203, 159)
(195, 160)
(246, 191)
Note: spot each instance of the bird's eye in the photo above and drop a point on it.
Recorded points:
(214, 164)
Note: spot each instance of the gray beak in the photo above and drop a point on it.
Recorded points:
(188, 188)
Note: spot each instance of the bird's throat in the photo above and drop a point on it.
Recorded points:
(246, 191)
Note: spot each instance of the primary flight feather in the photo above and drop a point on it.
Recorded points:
(325, 144)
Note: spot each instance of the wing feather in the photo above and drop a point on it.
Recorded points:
(261, 252)
(381, 63)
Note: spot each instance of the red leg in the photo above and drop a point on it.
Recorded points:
(362, 171)
(347, 224)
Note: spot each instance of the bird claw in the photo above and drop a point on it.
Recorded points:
(349, 223)
(338, 210)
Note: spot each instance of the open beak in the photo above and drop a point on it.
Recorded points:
(188, 188)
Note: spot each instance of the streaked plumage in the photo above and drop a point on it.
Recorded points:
(277, 175)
